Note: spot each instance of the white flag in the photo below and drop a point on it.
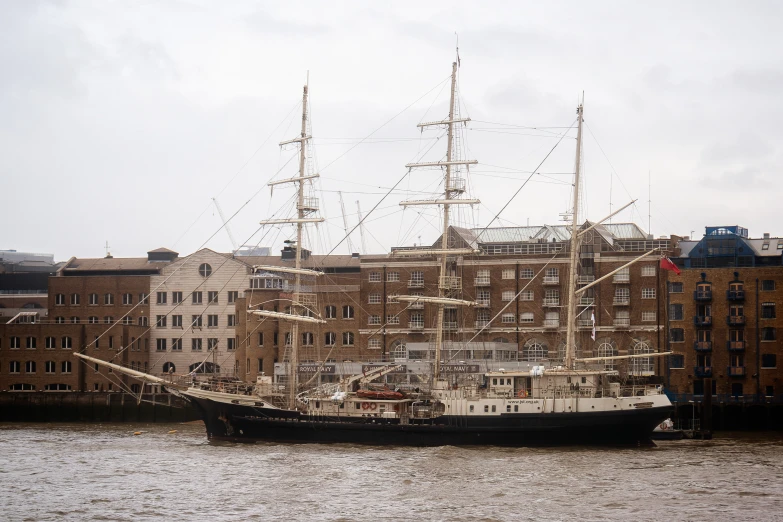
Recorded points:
(592, 318)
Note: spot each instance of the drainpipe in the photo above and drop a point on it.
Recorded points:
(758, 344)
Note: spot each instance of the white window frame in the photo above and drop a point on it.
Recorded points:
(375, 277)
(507, 319)
(648, 293)
(507, 273)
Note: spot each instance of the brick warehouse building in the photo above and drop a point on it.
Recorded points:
(85, 299)
(722, 321)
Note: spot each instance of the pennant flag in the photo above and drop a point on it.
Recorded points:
(668, 264)
(592, 318)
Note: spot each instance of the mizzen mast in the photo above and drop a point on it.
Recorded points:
(572, 267)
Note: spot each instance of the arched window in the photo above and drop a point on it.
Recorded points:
(347, 338)
(536, 350)
(59, 299)
(331, 312)
(561, 351)
(57, 387)
(607, 349)
(206, 367)
(22, 387)
(347, 312)
(642, 365)
(29, 367)
(330, 338)
(93, 299)
(169, 367)
(204, 270)
(307, 339)
(399, 350)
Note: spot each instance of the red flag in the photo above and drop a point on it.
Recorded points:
(668, 264)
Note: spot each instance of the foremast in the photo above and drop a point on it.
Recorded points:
(574, 253)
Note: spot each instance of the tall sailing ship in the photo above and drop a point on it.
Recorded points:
(575, 403)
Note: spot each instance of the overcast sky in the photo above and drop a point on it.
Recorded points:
(119, 121)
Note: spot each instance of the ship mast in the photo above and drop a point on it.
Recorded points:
(572, 267)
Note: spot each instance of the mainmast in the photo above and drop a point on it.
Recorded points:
(572, 267)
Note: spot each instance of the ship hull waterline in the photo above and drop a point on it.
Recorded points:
(248, 424)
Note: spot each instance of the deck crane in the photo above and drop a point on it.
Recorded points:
(345, 223)
(361, 227)
(225, 224)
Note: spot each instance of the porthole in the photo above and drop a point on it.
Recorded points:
(205, 270)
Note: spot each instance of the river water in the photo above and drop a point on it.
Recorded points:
(105, 472)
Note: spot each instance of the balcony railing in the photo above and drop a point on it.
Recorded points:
(482, 281)
(416, 306)
(702, 295)
(622, 322)
(415, 325)
(621, 300)
(735, 320)
(482, 302)
(481, 324)
(584, 279)
(449, 325)
(551, 323)
(735, 371)
(621, 278)
(586, 301)
(735, 295)
(450, 283)
(551, 301)
(552, 280)
(702, 371)
(702, 346)
(702, 320)
(584, 323)
(735, 346)
(416, 283)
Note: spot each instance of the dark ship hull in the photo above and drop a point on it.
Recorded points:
(247, 423)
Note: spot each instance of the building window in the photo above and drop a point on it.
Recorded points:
(66, 343)
(675, 288)
(204, 270)
(74, 299)
(50, 343)
(347, 338)
(16, 343)
(392, 319)
(108, 299)
(212, 297)
(648, 317)
(74, 319)
(212, 344)
(160, 321)
(676, 312)
(769, 360)
(195, 321)
(196, 298)
(93, 319)
(417, 278)
(65, 367)
(307, 339)
(767, 285)
(50, 367)
(348, 312)
(29, 367)
(374, 344)
(212, 321)
(648, 293)
(127, 299)
(768, 333)
(648, 270)
(233, 295)
(507, 318)
(59, 320)
(14, 367)
(260, 338)
(526, 295)
(176, 297)
(507, 273)
(144, 298)
(677, 361)
(330, 338)
(108, 319)
(176, 321)
(526, 318)
(392, 277)
(160, 345)
(373, 320)
(195, 345)
(375, 277)
(176, 345)
(59, 299)
(161, 297)
(231, 319)
(508, 295)
(92, 299)
(31, 342)
(767, 310)
(677, 335)
(391, 298)
(127, 320)
(331, 312)
(607, 349)
(143, 320)
(526, 273)
(374, 298)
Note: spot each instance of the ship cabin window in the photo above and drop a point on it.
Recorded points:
(516, 408)
(494, 408)
(472, 408)
(584, 380)
(486, 408)
(358, 406)
(508, 408)
(317, 405)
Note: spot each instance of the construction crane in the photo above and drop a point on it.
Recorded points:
(361, 227)
(345, 223)
(225, 224)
